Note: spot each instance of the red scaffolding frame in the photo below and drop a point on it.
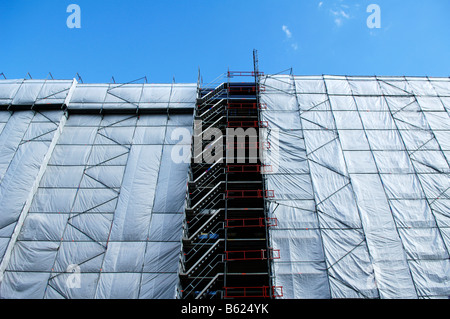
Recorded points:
(234, 124)
(261, 254)
(248, 145)
(250, 193)
(249, 169)
(242, 106)
(243, 168)
(250, 222)
(241, 89)
(244, 73)
(254, 292)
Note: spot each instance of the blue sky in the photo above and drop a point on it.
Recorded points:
(165, 39)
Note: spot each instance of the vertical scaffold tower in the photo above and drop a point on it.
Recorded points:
(225, 251)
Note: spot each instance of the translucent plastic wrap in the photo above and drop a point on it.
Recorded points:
(362, 185)
(104, 219)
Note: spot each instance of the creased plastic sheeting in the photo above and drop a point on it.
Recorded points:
(11, 135)
(98, 96)
(301, 270)
(133, 212)
(54, 92)
(133, 96)
(171, 184)
(8, 90)
(110, 203)
(345, 249)
(376, 151)
(22, 154)
(389, 259)
(88, 95)
(29, 92)
(154, 286)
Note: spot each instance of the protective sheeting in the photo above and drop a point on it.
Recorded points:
(105, 97)
(24, 142)
(109, 205)
(133, 96)
(360, 173)
(105, 217)
(30, 92)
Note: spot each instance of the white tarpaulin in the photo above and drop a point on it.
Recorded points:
(105, 217)
(91, 206)
(126, 96)
(361, 185)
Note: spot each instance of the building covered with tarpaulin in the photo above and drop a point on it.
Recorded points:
(91, 204)
(362, 186)
(93, 193)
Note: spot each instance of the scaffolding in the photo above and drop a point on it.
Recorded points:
(225, 246)
(348, 195)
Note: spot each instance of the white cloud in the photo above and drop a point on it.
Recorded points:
(340, 13)
(320, 4)
(339, 16)
(289, 38)
(344, 14)
(287, 31)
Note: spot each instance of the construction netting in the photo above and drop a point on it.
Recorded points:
(361, 177)
(92, 205)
